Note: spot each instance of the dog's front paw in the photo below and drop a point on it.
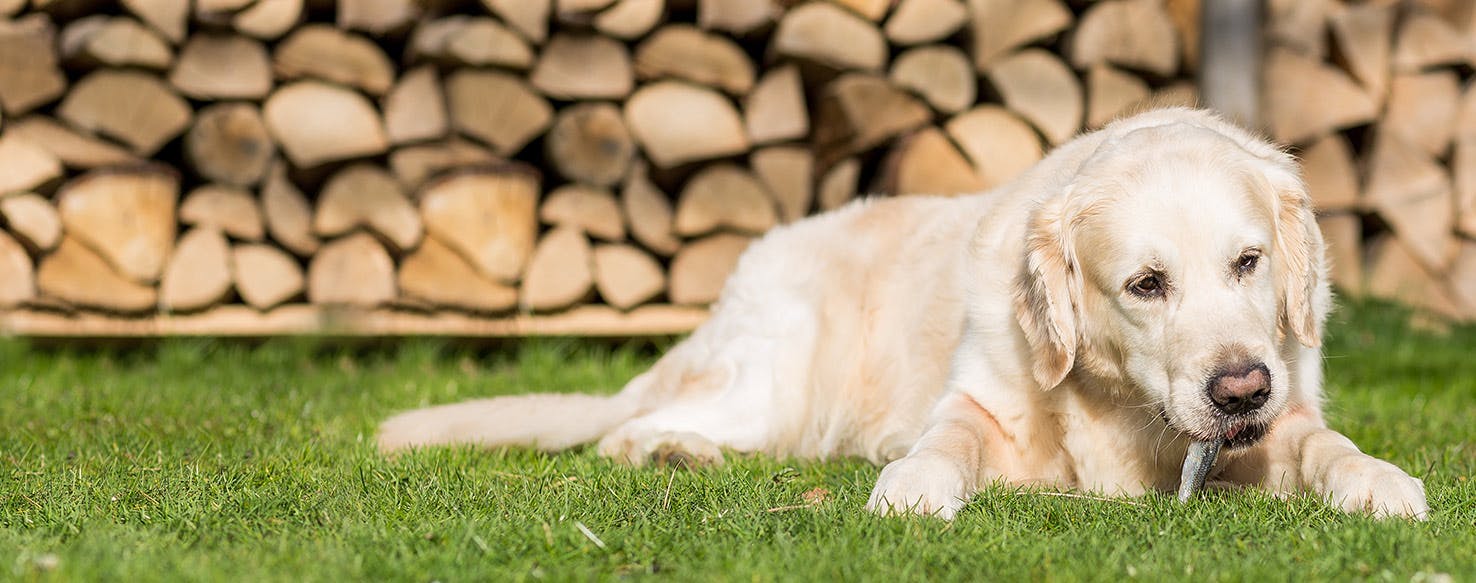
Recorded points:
(920, 484)
(1373, 486)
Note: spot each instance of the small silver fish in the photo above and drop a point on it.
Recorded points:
(1197, 466)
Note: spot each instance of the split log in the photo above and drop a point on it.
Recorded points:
(79, 276)
(288, 216)
(354, 270)
(839, 185)
(32, 218)
(829, 35)
(470, 41)
(132, 107)
(859, 112)
(413, 165)
(589, 143)
(377, 17)
(497, 109)
(29, 76)
(199, 274)
(1422, 110)
(1425, 40)
(927, 163)
(924, 21)
(1001, 26)
(266, 277)
(1187, 17)
(1396, 273)
(589, 209)
(315, 122)
(487, 216)
(684, 52)
(25, 166)
(941, 74)
(323, 52)
(529, 17)
(1299, 26)
(724, 196)
(230, 210)
(415, 109)
(17, 281)
(1110, 93)
(1136, 34)
(114, 42)
(700, 269)
(368, 197)
(708, 126)
(75, 150)
(872, 10)
(169, 17)
(216, 66)
(217, 11)
(229, 143)
(561, 272)
(126, 215)
(1310, 99)
(649, 212)
(775, 110)
(736, 16)
(1042, 90)
(1363, 34)
(575, 11)
(437, 275)
(583, 67)
(630, 19)
(788, 172)
(1344, 237)
(1413, 193)
(1327, 168)
(270, 19)
(626, 277)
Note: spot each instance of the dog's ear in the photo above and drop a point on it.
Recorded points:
(1299, 258)
(1045, 300)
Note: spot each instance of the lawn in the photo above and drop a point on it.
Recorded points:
(197, 460)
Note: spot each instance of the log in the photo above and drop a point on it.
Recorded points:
(168, 17)
(365, 196)
(649, 212)
(708, 127)
(1425, 40)
(927, 163)
(229, 143)
(33, 220)
(354, 270)
(560, 273)
(29, 76)
(724, 196)
(217, 66)
(134, 108)
(487, 216)
(591, 210)
(1001, 145)
(289, 219)
(999, 27)
(573, 11)
(1038, 86)
(684, 52)
(1332, 179)
(590, 144)
(217, 11)
(775, 110)
(1396, 273)
(79, 276)
(700, 269)
(626, 277)
(413, 165)
(230, 210)
(1412, 192)
(198, 275)
(1422, 110)
(583, 67)
(315, 123)
(916, 22)
(788, 172)
(1136, 34)
(496, 108)
(1187, 17)
(630, 19)
(415, 109)
(17, 281)
(1299, 26)
(25, 166)
(872, 10)
(101, 41)
(74, 149)
(1344, 237)
(859, 112)
(476, 42)
(126, 215)
(1110, 93)
(941, 74)
(1363, 35)
(826, 34)
(437, 275)
(736, 16)
(1307, 99)
(528, 17)
(268, 19)
(266, 277)
(839, 184)
(377, 17)
(323, 52)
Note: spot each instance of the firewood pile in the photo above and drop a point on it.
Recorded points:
(511, 160)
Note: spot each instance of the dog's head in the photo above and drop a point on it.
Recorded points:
(1184, 263)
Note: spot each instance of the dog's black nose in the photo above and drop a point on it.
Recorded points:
(1240, 389)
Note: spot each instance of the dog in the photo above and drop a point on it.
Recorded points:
(1155, 282)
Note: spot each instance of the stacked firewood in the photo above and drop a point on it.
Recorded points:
(1375, 97)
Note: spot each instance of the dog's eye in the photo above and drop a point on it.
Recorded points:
(1247, 262)
(1149, 285)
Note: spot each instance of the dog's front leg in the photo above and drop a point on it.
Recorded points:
(942, 470)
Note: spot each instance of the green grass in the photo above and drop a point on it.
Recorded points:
(208, 460)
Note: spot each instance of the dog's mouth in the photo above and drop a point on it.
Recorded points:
(1235, 433)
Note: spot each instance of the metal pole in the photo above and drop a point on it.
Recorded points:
(1230, 59)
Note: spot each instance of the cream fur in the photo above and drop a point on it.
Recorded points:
(989, 337)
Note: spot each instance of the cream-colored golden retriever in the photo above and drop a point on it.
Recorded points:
(1158, 281)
